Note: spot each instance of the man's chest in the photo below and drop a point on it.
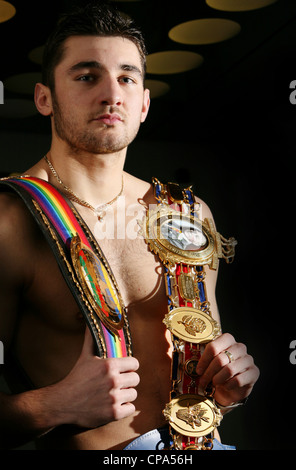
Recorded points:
(137, 271)
(138, 274)
(54, 315)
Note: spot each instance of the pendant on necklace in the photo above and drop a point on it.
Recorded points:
(100, 215)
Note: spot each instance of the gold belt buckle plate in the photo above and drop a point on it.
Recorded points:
(192, 415)
(192, 325)
(97, 286)
(180, 238)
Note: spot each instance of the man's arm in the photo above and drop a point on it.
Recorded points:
(14, 410)
(233, 379)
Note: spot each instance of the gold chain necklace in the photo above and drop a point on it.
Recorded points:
(100, 211)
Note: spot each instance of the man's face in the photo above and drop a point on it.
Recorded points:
(99, 100)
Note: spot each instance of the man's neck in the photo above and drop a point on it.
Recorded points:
(96, 179)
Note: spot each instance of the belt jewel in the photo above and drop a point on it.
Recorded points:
(185, 244)
(98, 286)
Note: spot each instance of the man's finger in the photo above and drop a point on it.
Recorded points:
(212, 350)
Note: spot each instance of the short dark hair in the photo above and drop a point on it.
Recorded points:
(90, 20)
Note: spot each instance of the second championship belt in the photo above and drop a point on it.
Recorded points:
(185, 245)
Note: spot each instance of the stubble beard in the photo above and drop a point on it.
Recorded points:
(95, 141)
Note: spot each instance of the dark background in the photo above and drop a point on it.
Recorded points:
(228, 128)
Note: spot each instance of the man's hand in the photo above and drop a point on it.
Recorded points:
(233, 381)
(97, 391)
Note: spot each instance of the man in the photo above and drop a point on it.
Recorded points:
(94, 95)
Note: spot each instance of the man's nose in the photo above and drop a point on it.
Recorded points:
(111, 93)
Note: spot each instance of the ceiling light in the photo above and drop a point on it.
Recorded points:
(7, 11)
(22, 83)
(204, 31)
(238, 5)
(169, 62)
(157, 88)
(36, 55)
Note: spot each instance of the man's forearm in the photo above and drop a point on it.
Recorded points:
(25, 417)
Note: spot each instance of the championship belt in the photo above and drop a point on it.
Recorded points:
(185, 244)
(81, 261)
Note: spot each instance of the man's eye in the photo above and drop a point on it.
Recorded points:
(86, 78)
(127, 80)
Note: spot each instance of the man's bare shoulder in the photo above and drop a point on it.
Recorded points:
(18, 232)
(144, 189)
(133, 181)
(12, 212)
(137, 188)
(203, 209)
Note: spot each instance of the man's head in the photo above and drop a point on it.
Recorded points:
(91, 20)
(94, 66)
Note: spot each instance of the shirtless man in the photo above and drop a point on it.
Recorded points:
(95, 98)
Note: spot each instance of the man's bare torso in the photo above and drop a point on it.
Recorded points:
(50, 328)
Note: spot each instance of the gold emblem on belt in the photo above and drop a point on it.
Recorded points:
(192, 415)
(192, 325)
(98, 286)
(178, 237)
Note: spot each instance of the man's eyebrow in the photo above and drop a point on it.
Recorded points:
(89, 64)
(93, 64)
(131, 68)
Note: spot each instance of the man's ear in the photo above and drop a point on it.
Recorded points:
(146, 104)
(43, 99)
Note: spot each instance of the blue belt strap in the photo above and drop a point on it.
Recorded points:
(159, 439)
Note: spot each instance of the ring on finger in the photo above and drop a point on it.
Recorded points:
(229, 355)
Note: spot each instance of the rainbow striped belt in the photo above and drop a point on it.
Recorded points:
(81, 261)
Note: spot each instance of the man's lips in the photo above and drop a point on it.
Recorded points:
(108, 119)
